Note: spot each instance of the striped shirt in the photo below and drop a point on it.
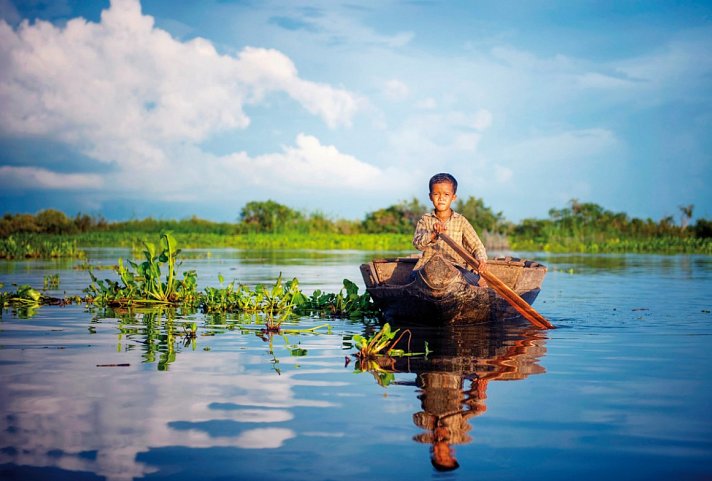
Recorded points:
(458, 228)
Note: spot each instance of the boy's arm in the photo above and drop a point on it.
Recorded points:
(471, 241)
(424, 234)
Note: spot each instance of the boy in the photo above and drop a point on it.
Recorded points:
(443, 188)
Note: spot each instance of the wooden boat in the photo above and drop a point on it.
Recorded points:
(441, 293)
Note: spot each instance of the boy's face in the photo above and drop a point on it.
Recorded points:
(442, 195)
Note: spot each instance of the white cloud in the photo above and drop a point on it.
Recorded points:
(32, 177)
(549, 169)
(436, 137)
(125, 92)
(483, 119)
(396, 90)
(467, 141)
(427, 104)
(307, 165)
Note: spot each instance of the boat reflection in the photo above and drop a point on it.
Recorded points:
(453, 379)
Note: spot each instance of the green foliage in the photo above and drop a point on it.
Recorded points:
(703, 229)
(48, 221)
(482, 217)
(278, 298)
(51, 281)
(380, 343)
(25, 300)
(53, 221)
(397, 219)
(151, 226)
(24, 246)
(144, 284)
(376, 352)
(588, 227)
(345, 303)
(268, 216)
(580, 226)
(376, 242)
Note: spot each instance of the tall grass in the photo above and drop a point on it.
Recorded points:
(45, 246)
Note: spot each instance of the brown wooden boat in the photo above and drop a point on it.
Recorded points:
(441, 293)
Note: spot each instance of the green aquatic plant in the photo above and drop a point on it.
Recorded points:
(381, 343)
(51, 281)
(376, 353)
(44, 246)
(142, 283)
(24, 301)
(347, 302)
(280, 297)
(148, 272)
(154, 282)
(286, 298)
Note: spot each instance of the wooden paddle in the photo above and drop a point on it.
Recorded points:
(500, 287)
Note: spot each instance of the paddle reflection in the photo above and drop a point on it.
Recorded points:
(453, 380)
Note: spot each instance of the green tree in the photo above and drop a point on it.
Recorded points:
(269, 216)
(703, 228)
(482, 217)
(685, 215)
(52, 221)
(319, 222)
(397, 219)
(17, 223)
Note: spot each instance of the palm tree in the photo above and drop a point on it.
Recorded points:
(686, 215)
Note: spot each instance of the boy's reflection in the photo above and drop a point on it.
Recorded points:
(446, 410)
(453, 380)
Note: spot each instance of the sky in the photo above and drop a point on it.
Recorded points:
(156, 108)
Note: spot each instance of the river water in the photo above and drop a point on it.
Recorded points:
(620, 390)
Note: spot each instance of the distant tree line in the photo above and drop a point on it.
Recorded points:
(583, 221)
(591, 222)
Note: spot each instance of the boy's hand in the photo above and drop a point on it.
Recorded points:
(480, 269)
(438, 227)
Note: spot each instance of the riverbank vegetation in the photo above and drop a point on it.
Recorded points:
(578, 227)
(155, 282)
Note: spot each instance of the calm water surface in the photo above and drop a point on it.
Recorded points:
(621, 390)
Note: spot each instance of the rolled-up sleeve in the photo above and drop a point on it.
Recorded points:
(423, 236)
(472, 243)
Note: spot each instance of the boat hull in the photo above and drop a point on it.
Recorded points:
(441, 293)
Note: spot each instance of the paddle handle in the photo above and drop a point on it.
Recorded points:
(514, 299)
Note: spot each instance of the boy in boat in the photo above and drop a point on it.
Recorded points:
(443, 189)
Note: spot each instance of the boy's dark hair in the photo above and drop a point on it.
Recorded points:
(443, 177)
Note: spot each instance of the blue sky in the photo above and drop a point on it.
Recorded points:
(171, 109)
